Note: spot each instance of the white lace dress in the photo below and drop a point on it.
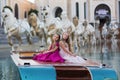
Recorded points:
(69, 58)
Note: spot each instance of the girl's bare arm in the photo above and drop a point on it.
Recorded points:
(49, 47)
(63, 47)
(52, 50)
(46, 49)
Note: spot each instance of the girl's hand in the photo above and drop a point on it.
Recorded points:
(46, 51)
(74, 55)
(42, 51)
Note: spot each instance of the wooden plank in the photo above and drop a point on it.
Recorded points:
(72, 73)
(27, 54)
(73, 79)
(70, 68)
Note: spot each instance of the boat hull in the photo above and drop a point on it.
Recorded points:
(33, 70)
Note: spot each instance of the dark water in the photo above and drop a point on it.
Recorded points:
(105, 53)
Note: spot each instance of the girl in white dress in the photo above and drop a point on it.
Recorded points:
(69, 56)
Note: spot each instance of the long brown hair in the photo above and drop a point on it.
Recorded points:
(58, 37)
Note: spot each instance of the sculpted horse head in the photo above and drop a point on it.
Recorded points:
(67, 25)
(6, 12)
(64, 15)
(85, 24)
(45, 14)
(75, 21)
(32, 20)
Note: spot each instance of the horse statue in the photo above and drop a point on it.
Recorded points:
(114, 32)
(97, 31)
(84, 33)
(37, 27)
(77, 38)
(13, 27)
(113, 29)
(52, 24)
(67, 25)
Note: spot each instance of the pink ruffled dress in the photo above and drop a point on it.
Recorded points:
(50, 56)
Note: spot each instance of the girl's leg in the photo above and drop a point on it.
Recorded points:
(92, 63)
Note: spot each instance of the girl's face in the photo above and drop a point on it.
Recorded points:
(65, 36)
(55, 37)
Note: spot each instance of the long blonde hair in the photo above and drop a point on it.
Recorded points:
(67, 41)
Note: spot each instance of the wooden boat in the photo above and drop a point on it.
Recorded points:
(33, 70)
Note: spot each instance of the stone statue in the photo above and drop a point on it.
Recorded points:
(37, 28)
(13, 27)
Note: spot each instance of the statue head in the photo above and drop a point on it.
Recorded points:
(45, 10)
(6, 12)
(32, 17)
(33, 11)
(7, 9)
(85, 23)
(75, 21)
(64, 15)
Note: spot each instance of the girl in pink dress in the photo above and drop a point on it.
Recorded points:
(52, 54)
(71, 57)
